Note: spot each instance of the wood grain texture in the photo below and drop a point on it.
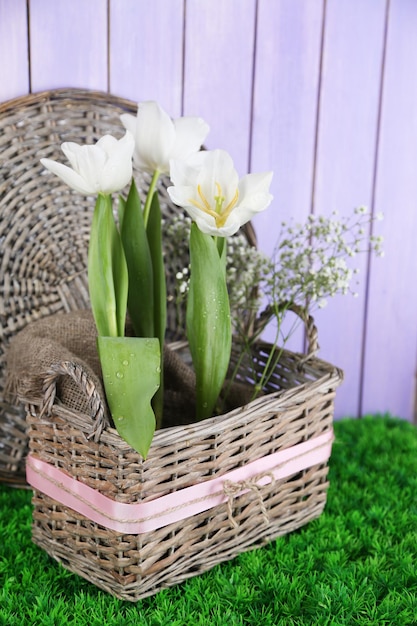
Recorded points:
(68, 44)
(219, 50)
(146, 51)
(284, 115)
(345, 161)
(14, 61)
(391, 332)
(252, 69)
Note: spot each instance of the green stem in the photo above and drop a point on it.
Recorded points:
(273, 360)
(268, 368)
(148, 202)
(154, 237)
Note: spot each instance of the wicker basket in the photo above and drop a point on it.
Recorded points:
(44, 228)
(207, 491)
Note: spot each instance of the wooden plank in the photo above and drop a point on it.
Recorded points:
(14, 61)
(391, 336)
(347, 136)
(68, 44)
(284, 113)
(219, 48)
(146, 51)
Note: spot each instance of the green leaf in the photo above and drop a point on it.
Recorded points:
(221, 247)
(154, 234)
(107, 271)
(131, 372)
(208, 320)
(121, 211)
(139, 263)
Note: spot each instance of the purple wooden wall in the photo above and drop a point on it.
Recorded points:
(322, 92)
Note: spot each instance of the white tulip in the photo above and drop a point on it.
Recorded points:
(159, 139)
(105, 167)
(207, 186)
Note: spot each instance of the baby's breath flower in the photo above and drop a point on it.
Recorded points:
(361, 210)
(311, 263)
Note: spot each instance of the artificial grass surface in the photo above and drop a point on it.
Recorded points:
(356, 564)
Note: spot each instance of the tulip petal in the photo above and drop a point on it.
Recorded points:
(108, 144)
(224, 231)
(218, 169)
(185, 173)
(69, 176)
(254, 195)
(159, 139)
(252, 205)
(87, 161)
(205, 223)
(181, 195)
(91, 163)
(71, 150)
(190, 135)
(117, 170)
(155, 136)
(252, 184)
(129, 122)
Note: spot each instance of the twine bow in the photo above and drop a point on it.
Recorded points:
(232, 489)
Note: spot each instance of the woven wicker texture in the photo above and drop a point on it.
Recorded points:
(44, 230)
(44, 227)
(299, 406)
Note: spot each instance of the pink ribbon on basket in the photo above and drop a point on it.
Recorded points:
(173, 507)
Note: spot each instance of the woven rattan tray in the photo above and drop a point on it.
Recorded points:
(44, 227)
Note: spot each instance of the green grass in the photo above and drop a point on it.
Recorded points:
(356, 564)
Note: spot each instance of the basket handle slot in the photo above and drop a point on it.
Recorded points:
(98, 410)
(310, 328)
(312, 345)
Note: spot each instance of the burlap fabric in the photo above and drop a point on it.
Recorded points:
(71, 337)
(51, 340)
